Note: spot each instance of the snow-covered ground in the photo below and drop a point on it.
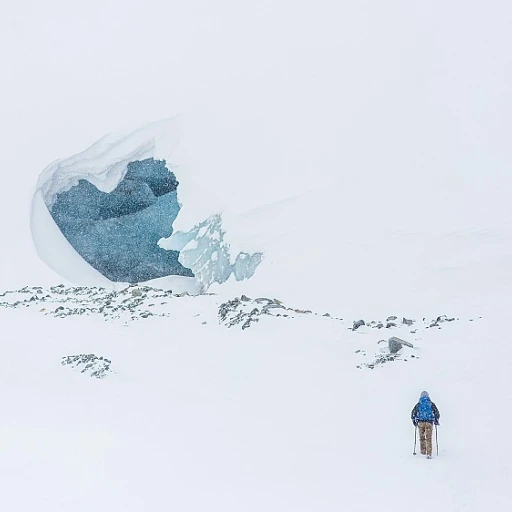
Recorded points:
(283, 415)
(364, 149)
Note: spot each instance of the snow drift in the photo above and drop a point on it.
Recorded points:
(114, 203)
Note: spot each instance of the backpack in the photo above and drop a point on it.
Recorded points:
(425, 412)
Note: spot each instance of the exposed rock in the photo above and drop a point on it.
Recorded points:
(439, 320)
(243, 311)
(394, 345)
(390, 318)
(406, 321)
(385, 358)
(98, 367)
(394, 339)
(246, 311)
(357, 324)
(128, 304)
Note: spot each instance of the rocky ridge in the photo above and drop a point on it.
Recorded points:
(129, 304)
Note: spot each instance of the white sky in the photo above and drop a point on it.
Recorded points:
(359, 93)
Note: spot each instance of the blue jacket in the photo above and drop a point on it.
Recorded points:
(419, 412)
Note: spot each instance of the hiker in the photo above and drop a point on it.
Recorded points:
(424, 415)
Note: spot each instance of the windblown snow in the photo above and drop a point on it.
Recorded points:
(235, 308)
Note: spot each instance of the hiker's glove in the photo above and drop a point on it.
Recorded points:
(436, 422)
(415, 423)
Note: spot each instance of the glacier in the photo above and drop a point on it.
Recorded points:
(114, 206)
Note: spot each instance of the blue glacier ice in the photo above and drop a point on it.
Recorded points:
(204, 250)
(117, 233)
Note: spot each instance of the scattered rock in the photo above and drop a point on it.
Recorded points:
(390, 318)
(389, 325)
(98, 367)
(128, 304)
(406, 321)
(385, 358)
(243, 311)
(246, 311)
(439, 320)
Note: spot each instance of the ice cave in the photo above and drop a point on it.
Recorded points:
(117, 233)
(107, 214)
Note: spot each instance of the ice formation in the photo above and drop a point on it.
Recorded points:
(204, 250)
(118, 232)
(106, 215)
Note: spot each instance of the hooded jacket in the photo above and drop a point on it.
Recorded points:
(425, 400)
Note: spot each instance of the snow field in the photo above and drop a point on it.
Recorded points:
(273, 418)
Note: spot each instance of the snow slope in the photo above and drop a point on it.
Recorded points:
(275, 417)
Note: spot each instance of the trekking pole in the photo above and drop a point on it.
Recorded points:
(437, 444)
(415, 430)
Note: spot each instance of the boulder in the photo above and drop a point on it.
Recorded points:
(357, 324)
(394, 345)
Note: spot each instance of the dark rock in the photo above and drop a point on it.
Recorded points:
(403, 342)
(394, 345)
(357, 324)
(97, 367)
